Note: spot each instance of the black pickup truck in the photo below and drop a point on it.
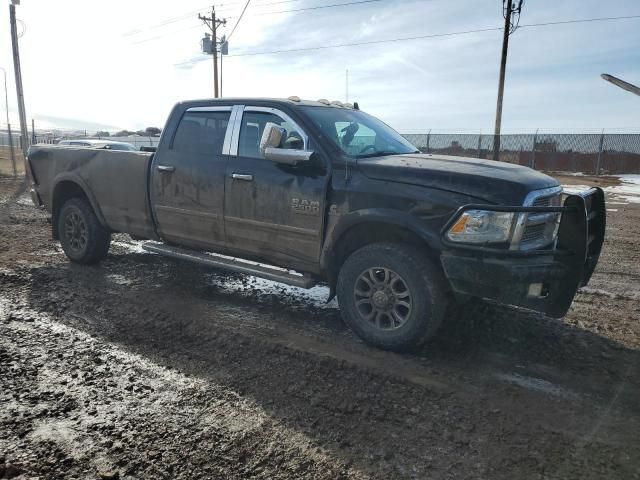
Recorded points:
(304, 192)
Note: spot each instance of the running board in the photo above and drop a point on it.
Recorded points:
(232, 264)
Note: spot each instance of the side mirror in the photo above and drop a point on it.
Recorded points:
(270, 147)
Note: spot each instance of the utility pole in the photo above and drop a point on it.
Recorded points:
(212, 22)
(511, 21)
(16, 68)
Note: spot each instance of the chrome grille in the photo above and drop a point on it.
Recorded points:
(538, 230)
(533, 233)
(547, 201)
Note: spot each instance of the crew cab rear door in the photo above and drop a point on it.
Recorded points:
(187, 183)
(273, 211)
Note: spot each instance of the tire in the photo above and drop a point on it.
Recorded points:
(83, 238)
(414, 296)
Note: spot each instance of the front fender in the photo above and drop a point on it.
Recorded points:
(387, 216)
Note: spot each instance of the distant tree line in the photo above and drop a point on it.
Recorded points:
(147, 132)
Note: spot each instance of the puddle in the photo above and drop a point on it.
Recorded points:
(536, 384)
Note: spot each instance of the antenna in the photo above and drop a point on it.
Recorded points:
(347, 87)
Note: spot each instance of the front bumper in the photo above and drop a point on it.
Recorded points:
(541, 280)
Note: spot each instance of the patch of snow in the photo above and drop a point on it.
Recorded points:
(133, 246)
(536, 384)
(119, 279)
(572, 189)
(25, 199)
(597, 291)
(628, 191)
(249, 285)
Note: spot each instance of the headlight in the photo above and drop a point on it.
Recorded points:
(482, 226)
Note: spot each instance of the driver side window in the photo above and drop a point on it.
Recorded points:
(252, 127)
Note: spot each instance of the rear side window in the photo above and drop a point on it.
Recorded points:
(201, 132)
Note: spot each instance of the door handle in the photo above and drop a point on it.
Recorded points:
(166, 168)
(242, 176)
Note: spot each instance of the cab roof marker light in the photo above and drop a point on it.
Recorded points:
(294, 98)
(324, 101)
(337, 103)
(348, 105)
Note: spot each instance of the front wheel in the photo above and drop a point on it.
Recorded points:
(391, 295)
(83, 238)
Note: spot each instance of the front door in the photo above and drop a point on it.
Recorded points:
(273, 211)
(188, 180)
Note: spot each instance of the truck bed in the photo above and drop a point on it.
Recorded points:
(115, 182)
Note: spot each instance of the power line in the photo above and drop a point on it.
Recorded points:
(240, 18)
(585, 20)
(189, 15)
(436, 35)
(317, 8)
(371, 42)
(262, 13)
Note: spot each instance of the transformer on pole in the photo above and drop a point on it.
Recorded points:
(210, 43)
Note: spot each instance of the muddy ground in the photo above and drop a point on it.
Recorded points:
(144, 367)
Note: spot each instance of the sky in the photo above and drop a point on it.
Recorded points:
(123, 64)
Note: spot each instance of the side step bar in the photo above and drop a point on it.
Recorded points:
(232, 264)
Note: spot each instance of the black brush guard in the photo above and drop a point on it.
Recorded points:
(506, 276)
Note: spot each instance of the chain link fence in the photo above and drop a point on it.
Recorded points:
(600, 153)
(590, 153)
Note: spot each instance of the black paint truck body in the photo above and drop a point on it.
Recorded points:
(305, 192)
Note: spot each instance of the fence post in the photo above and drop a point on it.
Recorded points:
(13, 153)
(428, 138)
(479, 144)
(533, 149)
(599, 162)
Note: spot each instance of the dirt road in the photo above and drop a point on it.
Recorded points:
(143, 367)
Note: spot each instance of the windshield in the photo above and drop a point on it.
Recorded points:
(358, 134)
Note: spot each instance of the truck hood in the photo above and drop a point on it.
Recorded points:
(494, 182)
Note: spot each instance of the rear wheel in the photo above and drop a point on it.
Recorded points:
(391, 295)
(83, 238)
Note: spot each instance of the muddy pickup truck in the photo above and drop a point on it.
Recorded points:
(305, 192)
